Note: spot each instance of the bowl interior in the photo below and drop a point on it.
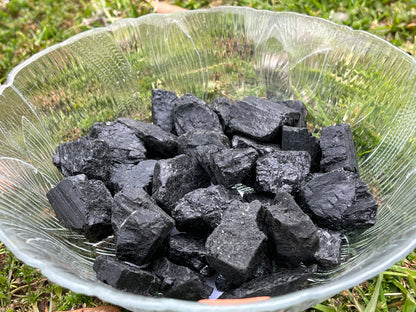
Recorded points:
(341, 75)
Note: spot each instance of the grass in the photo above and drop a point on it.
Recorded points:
(29, 26)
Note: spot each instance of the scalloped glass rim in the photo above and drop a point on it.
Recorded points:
(294, 301)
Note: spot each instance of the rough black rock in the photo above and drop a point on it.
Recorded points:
(204, 156)
(260, 119)
(175, 177)
(279, 283)
(261, 148)
(300, 107)
(281, 171)
(180, 282)
(264, 268)
(189, 141)
(83, 205)
(87, 156)
(125, 146)
(236, 247)
(191, 113)
(140, 226)
(300, 139)
(199, 212)
(158, 143)
(329, 251)
(291, 232)
(263, 198)
(338, 150)
(221, 106)
(339, 200)
(125, 276)
(162, 109)
(139, 176)
(232, 166)
(190, 252)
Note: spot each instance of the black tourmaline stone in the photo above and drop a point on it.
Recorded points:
(199, 212)
(158, 143)
(125, 276)
(339, 200)
(264, 268)
(175, 177)
(162, 108)
(140, 226)
(190, 252)
(281, 171)
(125, 146)
(292, 233)
(204, 156)
(300, 107)
(260, 119)
(139, 176)
(261, 148)
(276, 284)
(236, 247)
(87, 156)
(83, 205)
(191, 113)
(222, 106)
(189, 141)
(329, 252)
(180, 282)
(232, 166)
(338, 150)
(300, 139)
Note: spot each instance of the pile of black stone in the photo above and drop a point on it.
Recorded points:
(165, 191)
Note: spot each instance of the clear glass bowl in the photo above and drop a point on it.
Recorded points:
(342, 75)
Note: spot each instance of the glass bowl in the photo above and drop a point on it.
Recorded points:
(342, 75)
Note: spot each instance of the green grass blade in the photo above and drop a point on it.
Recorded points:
(324, 308)
(372, 305)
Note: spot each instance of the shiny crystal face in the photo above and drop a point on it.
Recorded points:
(343, 76)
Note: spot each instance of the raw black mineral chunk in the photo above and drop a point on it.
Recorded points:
(175, 177)
(125, 276)
(191, 113)
(279, 283)
(236, 246)
(199, 212)
(339, 200)
(329, 251)
(189, 141)
(83, 205)
(292, 233)
(231, 166)
(162, 108)
(281, 171)
(338, 150)
(180, 282)
(158, 143)
(221, 106)
(89, 156)
(263, 149)
(139, 176)
(300, 139)
(300, 107)
(263, 198)
(264, 268)
(260, 119)
(125, 146)
(190, 252)
(204, 155)
(140, 226)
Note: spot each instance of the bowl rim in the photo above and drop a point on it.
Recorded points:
(313, 294)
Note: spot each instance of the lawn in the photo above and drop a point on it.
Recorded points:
(29, 26)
